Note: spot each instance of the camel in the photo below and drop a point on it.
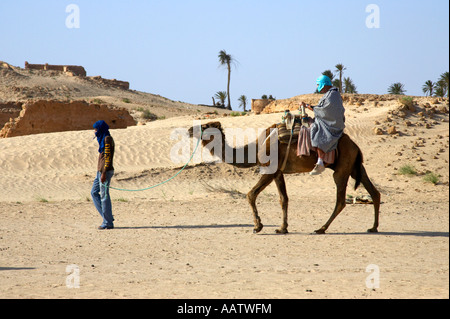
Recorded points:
(349, 162)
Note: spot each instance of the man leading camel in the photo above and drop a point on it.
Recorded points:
(329, 121)
(105, 171)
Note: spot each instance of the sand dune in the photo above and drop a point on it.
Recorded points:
(192, 237)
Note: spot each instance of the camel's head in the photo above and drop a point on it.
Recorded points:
(196, 130)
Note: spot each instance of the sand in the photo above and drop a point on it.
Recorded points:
(193, 236)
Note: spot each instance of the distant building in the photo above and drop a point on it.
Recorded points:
(71, 69)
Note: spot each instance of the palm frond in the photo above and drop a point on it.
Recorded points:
(397, 88)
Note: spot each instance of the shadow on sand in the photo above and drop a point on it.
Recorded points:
(417, 233)
(16, 268)
(188, 226)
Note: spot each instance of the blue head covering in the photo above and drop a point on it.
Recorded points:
(102, 132)
(323, 81)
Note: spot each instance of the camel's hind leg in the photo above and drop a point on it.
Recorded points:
(341, 184)
(281, 185)
(265, 180)
(376, 197)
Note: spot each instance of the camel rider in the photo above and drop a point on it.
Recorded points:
(329, 121)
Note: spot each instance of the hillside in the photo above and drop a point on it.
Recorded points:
(21, 85)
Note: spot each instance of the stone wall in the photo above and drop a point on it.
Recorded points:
(73, 69)
(291, 104)
(54, 116)
(9, 110)
(114, 83)
(258, 105)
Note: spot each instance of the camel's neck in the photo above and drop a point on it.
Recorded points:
(244, 156)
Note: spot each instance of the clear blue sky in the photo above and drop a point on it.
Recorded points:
(170, 47)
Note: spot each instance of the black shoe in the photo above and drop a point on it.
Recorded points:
(105, 227)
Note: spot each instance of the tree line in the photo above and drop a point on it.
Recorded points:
(344, 84)
(440, 88)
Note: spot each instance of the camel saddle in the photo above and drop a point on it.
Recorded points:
(284, 134)
(291, 125)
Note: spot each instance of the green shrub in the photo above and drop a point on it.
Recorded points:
(98, 101)
(238, 113)
(407, 170)
(149, 115)
(431, 178)
(42, 200)
(406, 101)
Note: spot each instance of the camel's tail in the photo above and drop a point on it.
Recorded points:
(357, 169)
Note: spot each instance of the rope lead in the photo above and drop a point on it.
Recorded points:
(163, 182)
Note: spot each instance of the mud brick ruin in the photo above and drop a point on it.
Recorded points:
(74, 69)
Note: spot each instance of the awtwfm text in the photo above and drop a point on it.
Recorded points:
(232, 308)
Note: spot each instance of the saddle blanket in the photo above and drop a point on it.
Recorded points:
(304, 146)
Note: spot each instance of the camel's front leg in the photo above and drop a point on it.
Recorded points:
(281, 185)
(265, 180)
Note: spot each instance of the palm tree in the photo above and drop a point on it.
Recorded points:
(243, 101)
(440, 88)
(226, 60)
(445, 78)
(340, 69)
(336, 83)
(428, 88)
(329, 74)
(349, 86)
(397, 88)
(221, 95)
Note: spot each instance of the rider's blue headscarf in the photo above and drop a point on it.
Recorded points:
(102, 132)
(322, 81)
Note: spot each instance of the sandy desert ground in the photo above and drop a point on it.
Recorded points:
(192, 237)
